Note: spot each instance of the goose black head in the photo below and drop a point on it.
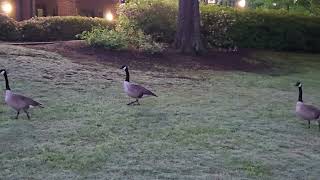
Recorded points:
(298, 84)
(124, 67)
(3, 71)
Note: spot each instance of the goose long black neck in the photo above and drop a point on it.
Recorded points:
(7, 81)
(127, 75)
(300, 94)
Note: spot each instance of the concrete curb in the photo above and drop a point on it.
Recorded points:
(27, 43)
(34, 43)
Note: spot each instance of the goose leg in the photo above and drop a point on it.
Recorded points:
(319, 125)
(138, 102)
(27, 114)
(309, 124)
(17, 116)
(132, 102)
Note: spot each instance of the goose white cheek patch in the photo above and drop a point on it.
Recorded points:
(300, 85)
(2, 72)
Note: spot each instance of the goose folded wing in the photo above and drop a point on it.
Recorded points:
(26, 100)
(141, 90)
(311, 110)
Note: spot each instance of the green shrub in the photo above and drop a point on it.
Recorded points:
(8, 29)
(125, 36)
(216, 25)
(156, 18)
(58, 28)
(260, 29)
(101, 37)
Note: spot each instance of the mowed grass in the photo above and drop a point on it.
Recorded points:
(212, 125)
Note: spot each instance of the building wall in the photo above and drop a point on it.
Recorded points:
(22, 9)
(95, 8)
(25, 9)
(28, 9)
(47, 8)
(67, 7)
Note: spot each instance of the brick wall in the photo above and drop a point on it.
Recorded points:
(67, 7)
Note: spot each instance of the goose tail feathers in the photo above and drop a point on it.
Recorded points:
(150, 93)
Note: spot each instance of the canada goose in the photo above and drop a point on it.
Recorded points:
(304, 111)
(134, 90)
(17, 101)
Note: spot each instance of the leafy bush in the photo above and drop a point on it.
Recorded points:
(8, 29)
(58, 28)
(156, 18)
(216, 25)
(260, 29)
(101, 37)
(126, 35)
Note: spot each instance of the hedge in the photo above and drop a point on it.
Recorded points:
(157, 19)
(49, 28)
(229, 27)
(260, 29)
(8, 29)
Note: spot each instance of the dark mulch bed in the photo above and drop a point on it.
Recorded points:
(79, 52)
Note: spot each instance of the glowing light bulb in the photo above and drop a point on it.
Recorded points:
(6, 7)
(109, 16)
(242, 3)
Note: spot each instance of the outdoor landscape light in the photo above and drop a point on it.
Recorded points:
(242, 3)
(274, 4)
(109, 16)
(6, 7)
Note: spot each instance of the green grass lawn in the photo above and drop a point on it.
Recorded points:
(213, 125)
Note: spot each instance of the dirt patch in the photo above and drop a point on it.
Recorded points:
(79, 52)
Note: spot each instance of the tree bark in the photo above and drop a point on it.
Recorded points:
(188, 37)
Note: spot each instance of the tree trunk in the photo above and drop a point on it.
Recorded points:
(188, 37)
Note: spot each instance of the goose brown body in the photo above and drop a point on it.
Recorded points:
(307, 112)
(19, 102)
(136, 91)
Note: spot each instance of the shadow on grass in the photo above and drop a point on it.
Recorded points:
(283, 63)
(169, 61)
(247, 60)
